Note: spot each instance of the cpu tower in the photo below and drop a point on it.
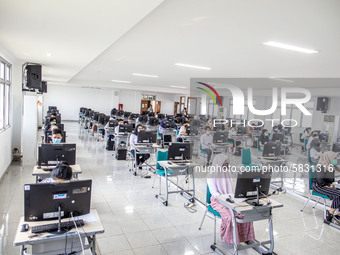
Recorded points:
(322, 104)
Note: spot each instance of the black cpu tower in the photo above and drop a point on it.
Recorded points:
(33, 76)
(322, 104)
(121, 154)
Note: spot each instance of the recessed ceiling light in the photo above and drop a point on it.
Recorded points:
(179, 87)
(289, 47)
(49, 54)
(121, 81)
(192, 66)
(145, 75)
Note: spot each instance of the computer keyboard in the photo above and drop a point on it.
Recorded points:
(54, 226)
(47, 168)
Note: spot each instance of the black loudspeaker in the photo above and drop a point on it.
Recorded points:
(33, 73)
(43, 87)
(322, 104)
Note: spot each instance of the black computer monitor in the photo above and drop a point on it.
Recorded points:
(220, 137)
(272, 149)
(125, 128)
(60, 126)
(145, 113)
(48, 118)
(187, 130)
(336, 147)
(87, 112)
(51, 154)
(103, 119)
(324, 137)
(287, 130)
(146, 137)
(170, 118)
(151, 121)
(95, 116)
(278, 137)
(142, 118)
(113, 123)
(172, 124)
(51, 108)
(252, 184)
(160, 116)
(151, 114)
(120, 113)
(179, 151)
(42, 200)
(241, 130)
(83, 109)
(48, 137)
(127, 114)
(179, 115)
(134, 116)
(317, 132)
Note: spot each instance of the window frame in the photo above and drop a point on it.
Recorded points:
(6, 83)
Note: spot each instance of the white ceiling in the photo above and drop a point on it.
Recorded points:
(92, 43)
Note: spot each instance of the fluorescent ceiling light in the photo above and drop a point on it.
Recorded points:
(145, 75)
(180, 87)
(49, 54)
(281, 79)
(121, 81)
(192, 66)
(289, 47)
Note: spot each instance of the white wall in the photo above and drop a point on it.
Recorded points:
(69, 99)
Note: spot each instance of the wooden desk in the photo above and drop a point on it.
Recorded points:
(49, 244)
(41, 173)
(251, 213)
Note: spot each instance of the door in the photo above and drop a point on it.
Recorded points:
(144, 105)
(157, 107)
(176, 108)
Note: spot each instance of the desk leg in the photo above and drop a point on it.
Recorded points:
(166, 188)
(193, 187)
(270, 221)
(22, 249)
(233, 216)
(93, 248)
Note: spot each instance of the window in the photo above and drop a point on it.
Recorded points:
(5, 93)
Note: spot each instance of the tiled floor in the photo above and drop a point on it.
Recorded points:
(137, 223)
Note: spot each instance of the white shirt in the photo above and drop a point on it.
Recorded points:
(305, 135)
(310, 139)
(314, 155)
(181, 130)
(133, 139)
(117, 129)
(206, 141)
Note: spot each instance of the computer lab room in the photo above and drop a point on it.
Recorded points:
(169, 127)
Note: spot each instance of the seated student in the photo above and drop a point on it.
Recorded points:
(61, 173)
(219, 183)
(310, 139)
(120, 122)
(323, 182)
(52, 127)
(141, 158)
(182, 131)
(264, 138)
(162, 126)
(56, 136)
(206, 141)
(315, 151)
(53, 121)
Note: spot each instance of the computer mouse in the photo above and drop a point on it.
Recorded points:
(38, 167)
(230, 200)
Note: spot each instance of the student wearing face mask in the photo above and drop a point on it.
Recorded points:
(182, 131)
(141, 158)
(323, 183)
(306, 133)
(57, 136)
(120, 122)
(315, 151)
(53, 121)
(264, 138)
(206, 141)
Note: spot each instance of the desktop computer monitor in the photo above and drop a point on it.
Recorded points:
(170, 118)
(324, 137)
(42, 200)
(272, 149)
(172, 124)
(278, 137)
(125, 128)
(48, 137)
(317, 132)
(52, 108)
(151, 114)
(113, 123)
(188, 130)
(152, 121)
(127, 114)
(103, 119)
(134, 116)
(95, 116)
(220, 137)
(146, 137)
(50, 153)
(120, 113)
(87, 112)
(336, 147)
(252, 184)
(160, 116)
(180, 151)
(145, 113)
(241, 130)
(142, 118)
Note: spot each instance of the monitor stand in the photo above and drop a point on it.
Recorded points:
(59, 231)
(257, 201)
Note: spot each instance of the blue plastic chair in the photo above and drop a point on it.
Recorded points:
(313, 193)
(246, 160)
(301, 140)
(258, 145)
(211, 210)
(161, 156)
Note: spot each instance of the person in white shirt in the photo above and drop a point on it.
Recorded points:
(310, 139)
(306, 133)
(120, 122)
(141, 158)
(150, 109)
(315, 151)
(182, 131)
(206, 141)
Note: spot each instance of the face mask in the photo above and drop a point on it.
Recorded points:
(334, 162)
(56, 140)
(266, 134)
(53, 123)
(208, 132)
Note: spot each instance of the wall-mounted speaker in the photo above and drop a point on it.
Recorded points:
(322, 104)
(33, 76)
(43, 87)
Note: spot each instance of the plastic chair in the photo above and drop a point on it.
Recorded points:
(258, 145)
(246, 159)
(204, 154)
(301, 140)
(313, 193)
(211, 210)
(160, 171)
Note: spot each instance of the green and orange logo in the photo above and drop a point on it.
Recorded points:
(209, 93)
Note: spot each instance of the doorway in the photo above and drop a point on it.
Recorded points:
(145, 105)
